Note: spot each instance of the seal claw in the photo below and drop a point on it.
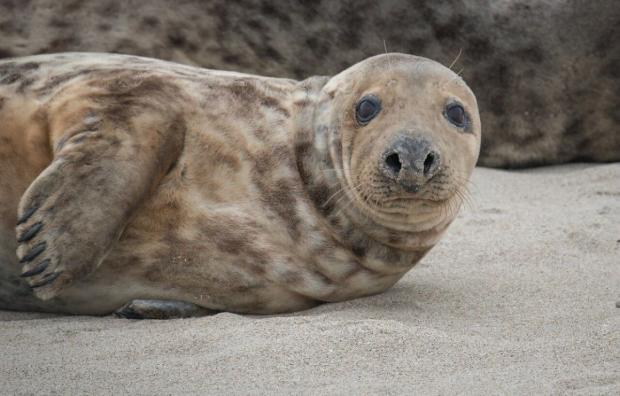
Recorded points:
(30, 232)
(26, 215)
(36, 270)
(47, 279)
(34, 252)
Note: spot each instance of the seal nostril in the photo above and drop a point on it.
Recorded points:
(429, 163)
(393, 163)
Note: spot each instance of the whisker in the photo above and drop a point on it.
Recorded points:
(340, 190)
(388, 56)
(455, 59)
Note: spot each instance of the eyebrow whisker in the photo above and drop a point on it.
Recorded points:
(388, 56)
(455, 59)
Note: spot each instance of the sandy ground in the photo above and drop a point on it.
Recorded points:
(518, 298)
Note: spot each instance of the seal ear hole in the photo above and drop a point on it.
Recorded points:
(367, 109)
(393, 163)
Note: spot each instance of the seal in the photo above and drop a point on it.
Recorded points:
(137, 180)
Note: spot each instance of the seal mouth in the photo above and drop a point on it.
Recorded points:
(384, 195)
(407, 211)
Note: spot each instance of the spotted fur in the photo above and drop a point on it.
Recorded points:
(132, 178)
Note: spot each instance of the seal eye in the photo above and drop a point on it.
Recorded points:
(367, 109)
(455, 113)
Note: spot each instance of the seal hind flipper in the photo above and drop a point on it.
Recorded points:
(160, 309)
(77, 208)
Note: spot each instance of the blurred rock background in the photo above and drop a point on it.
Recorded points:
(546, 72)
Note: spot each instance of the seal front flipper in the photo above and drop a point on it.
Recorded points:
(76, 209)
(160, 309)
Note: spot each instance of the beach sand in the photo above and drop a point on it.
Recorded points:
(518, 298)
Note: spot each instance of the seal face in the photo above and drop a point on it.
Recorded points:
(141, 179)
(406, 150)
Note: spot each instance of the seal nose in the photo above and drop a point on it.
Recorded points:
(411, 162)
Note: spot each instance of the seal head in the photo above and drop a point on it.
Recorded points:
(399, 136)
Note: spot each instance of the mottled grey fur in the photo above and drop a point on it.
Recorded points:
(133, 178)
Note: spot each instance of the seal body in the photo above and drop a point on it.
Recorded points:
(132, 178)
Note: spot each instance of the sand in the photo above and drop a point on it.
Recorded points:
(518, 298)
